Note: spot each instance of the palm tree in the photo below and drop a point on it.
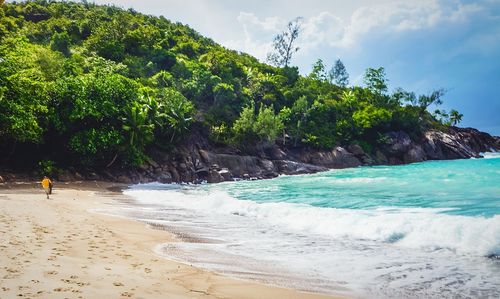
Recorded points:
(455, 117)
(179, 118)
(138, 126)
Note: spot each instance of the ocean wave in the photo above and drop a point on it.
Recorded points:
(358, 180)
(409, 227)
(491, 155)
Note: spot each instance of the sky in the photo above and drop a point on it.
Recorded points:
(422, 44)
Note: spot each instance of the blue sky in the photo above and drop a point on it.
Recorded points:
(423, 45)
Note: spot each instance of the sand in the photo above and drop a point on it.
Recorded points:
(60, 248)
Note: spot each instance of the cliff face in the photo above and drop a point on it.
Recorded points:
(198, 160)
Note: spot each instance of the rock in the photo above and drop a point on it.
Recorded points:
(380, 158)
(439, 146)
(65, 176)
(397, 144)
(291, 167)
(125, 179)
(237, 164)
(226, 174)
(275, 153)
(202, 172)
(79, 177)
(144, 167)
(356, 150)
(182, 167)
(269, 170)
(214, 177)
(153, 163)
(175, 175)
(165, 177)
(415, 154)
(339, 157)
(93, 176)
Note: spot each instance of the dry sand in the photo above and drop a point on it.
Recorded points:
(58, 248)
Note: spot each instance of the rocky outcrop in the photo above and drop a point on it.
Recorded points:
(197, 160)
(456, 143)
(339, 157)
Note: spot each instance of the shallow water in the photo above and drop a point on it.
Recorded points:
(425, 230)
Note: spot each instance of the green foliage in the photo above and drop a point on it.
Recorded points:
(46, 168)
(220, 134)
(455, 117)
(23, 92)
(375, 80)
(371, 117)
(338, 74)
(95, 146)
(60, 42)
(243, 127)
(172, 113)
(284, 44)
(319, 71)
(94, 86)
(137, 125)
(267, 125)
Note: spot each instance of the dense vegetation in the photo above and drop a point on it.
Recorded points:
(93, 86)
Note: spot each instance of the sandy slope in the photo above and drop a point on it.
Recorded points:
(59, 249)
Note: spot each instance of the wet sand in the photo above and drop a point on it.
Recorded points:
(60, 248)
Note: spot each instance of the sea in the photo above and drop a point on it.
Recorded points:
(423, 230)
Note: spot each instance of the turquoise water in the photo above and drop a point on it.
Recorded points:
(425, 230)
(462, 187)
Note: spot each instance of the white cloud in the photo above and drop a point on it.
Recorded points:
(328, 29)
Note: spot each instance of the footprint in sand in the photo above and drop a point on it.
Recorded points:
(51, 272)
(127, 294)
(118, 284)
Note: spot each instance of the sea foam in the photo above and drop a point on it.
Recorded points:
(409, 227)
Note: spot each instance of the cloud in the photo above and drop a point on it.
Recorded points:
(328, 29)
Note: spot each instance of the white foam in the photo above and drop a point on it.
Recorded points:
(407, 227)
(490, 155)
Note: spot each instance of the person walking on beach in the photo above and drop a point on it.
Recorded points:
(47, 186)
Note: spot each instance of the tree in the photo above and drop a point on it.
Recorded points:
(455, 117)
(176, 113)
(318, 71)
(60, 42)
(284, 44)
(338, 74)
(137, 124)
(243, 126)
(267, 125)
(375, 80)
(424, 101)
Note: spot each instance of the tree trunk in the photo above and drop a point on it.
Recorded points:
(112, 161)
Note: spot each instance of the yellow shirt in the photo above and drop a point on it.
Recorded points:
(45, 183)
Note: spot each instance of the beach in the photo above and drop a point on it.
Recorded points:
(62, 248)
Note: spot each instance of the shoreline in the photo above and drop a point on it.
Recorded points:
(61, 248)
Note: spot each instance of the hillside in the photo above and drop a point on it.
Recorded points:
(101, 92)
